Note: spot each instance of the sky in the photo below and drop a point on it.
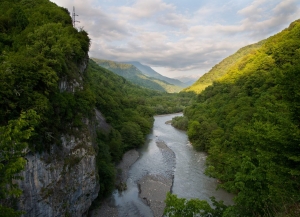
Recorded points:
(178, 37)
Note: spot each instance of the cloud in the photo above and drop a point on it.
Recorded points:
(144, 9)
(96, 21)
(254, 10)
(259, 25)
(162, 34)
(173, 20)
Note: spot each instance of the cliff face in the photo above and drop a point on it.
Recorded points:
(62, 182)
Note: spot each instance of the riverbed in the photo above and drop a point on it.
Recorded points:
(167, 162)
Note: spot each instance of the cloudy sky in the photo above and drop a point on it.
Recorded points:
(178, 37)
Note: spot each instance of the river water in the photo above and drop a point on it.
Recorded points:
(182, 163)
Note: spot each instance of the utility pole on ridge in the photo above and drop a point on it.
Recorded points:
(73, 17)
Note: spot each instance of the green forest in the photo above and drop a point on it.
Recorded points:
(129, 109)
(248, 123)
(221, 68)
(38, 47)
(246, 115)
(40, 51)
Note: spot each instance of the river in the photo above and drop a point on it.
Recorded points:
(166, 162)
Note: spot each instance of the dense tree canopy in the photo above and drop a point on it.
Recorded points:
(45, 92)
(38, 48)
(129, 109)
(248, 122)
(221, 68)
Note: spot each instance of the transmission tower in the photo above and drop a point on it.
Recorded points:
(74, 17)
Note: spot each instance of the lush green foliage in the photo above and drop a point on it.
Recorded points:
(166, 103)
(131, 73)
(44, 93)
(180, 207)
(221, 68)
(248, 122)
(38, 48)
(129, 109)
(157, 102)
(123, 105)
(180, 122)
(13, 147)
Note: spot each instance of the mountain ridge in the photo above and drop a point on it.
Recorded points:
(147, 70)
(220, 69)
(133, 74)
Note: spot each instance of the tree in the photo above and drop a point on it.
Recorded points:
(13, 147)
(180, 207)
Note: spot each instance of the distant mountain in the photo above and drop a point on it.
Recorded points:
(221, 68)
(187, 80)
(133, 74)
(152, 73)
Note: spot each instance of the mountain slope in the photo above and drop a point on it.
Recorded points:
(221, 68)
(248, 122)
(188, 81)
(43, 104)
(134, 75)
(152, 73)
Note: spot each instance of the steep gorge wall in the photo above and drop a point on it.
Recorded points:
(63, 181)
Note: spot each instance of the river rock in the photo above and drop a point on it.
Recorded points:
(153, 190)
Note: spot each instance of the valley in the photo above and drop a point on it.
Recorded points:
(75, 128)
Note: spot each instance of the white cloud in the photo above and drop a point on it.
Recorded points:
(253, 10)
(174, 20)
(162, 35)
(144, 9)
(276, 18)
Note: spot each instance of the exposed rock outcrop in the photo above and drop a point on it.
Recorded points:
(63, 181)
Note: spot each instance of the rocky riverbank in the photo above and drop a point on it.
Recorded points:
(107, 208)
(152, 187)
(153, 190)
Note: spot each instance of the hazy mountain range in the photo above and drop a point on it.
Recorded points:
(144, 75)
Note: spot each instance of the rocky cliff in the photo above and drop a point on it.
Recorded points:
(63, 181)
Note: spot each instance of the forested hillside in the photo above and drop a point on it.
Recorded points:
(221, 68)
(133, 74)
(39, 46)
(38, 49)
(248, 122)
(47, 93)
